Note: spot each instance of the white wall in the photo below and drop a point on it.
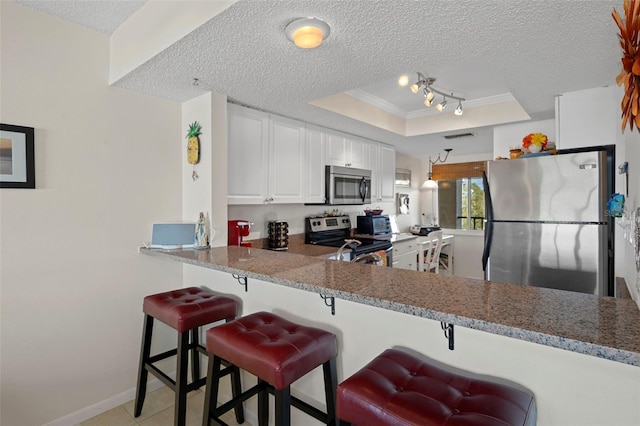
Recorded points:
(71, 279)
(210, 110)
(631, 274)
(415, 165)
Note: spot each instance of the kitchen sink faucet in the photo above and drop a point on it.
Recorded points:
(351, 244)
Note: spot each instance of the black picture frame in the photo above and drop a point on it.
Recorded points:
(17, 157)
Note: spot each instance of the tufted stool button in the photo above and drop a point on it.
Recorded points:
(465, 393)
(456, 411)
(399, 388)
(413, 373)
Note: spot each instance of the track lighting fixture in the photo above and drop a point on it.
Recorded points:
(426, 84)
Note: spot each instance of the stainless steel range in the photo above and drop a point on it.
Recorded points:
(332, 231)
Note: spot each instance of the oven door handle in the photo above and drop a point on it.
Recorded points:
(363, 189)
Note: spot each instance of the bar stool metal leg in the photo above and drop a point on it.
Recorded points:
(214, 373)
(195, 356)
(145, 351)
(331, 381)
(181, 380)
(283, 406)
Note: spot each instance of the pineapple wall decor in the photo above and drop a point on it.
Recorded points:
(193, 146)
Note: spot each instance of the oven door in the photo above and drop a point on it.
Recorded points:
(346, 185)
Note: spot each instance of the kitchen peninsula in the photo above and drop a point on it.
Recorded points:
(578, 353)
(603, 327)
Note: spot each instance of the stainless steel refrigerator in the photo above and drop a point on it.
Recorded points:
(547, 224)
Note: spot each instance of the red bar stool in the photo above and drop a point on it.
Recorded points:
(185, 310)
(278, 352)
(397, 388)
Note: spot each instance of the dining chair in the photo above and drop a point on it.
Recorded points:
(432, 252)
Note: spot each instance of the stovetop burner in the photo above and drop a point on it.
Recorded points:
(332, 231)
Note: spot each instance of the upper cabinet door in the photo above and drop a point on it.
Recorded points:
(314, 166)
(346, 151)
(286, 160)
(374, 165)
(387, 169)
(358, 154)
(247, 155)
(336, 150)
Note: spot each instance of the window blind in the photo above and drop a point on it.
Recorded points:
(458, 170)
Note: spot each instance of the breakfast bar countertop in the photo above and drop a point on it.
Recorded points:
(603, 327)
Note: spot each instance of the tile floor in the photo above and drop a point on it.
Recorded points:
(157, 411)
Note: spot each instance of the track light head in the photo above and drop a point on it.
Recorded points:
(458, 110)
(427, 102)
(415, 87)
(430, 94)
(442, 105)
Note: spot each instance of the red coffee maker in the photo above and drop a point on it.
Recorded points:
(238, 229)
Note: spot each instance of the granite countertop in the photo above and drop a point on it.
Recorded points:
(598, 326)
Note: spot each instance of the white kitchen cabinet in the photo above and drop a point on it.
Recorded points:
(405, 254)
(588, 117)
(248, 160)
(314, 165)
(382, 161)
(265, 158)
(346, 151)
(357, 151)
(387, 171)
(286, 160)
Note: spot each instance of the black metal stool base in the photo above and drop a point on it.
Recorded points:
(283, 398)
(188, 343)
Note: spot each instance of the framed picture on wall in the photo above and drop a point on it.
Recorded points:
(17, 160)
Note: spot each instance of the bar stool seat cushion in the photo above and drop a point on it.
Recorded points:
(188, 308)
(400, 389)
(272, 348)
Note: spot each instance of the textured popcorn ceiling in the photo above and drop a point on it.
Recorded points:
(100, 15)
(533, 50)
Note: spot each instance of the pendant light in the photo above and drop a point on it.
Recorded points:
(430, 183)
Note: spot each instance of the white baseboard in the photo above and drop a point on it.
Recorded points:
(102, 406)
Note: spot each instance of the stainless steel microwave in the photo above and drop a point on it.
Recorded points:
(347, 185)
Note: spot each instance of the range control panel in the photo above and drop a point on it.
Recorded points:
(328, 223)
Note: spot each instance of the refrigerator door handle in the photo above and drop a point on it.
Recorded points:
(488, 230)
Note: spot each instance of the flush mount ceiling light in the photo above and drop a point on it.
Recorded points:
(425, 84)
(307, 33)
